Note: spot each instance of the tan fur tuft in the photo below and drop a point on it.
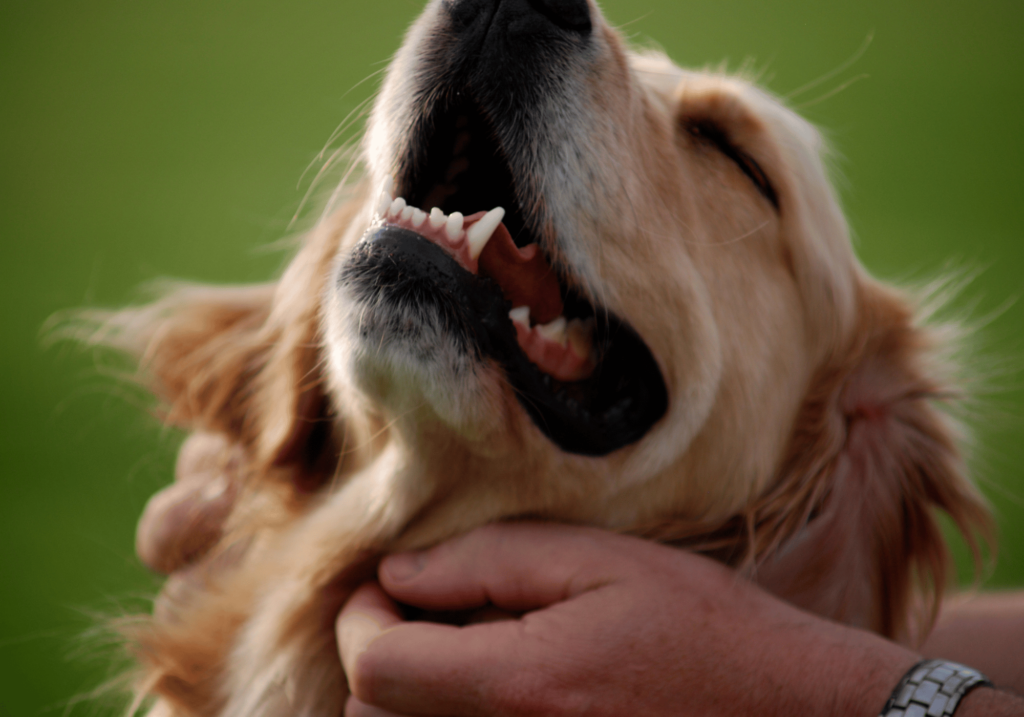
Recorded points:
(873, 457)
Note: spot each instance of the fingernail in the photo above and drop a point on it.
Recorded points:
(403, 566)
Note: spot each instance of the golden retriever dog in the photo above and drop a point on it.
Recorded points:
(574, 282)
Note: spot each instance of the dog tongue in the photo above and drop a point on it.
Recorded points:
(524, 275)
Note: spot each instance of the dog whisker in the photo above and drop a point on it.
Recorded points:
(834, 92)
(837, 71)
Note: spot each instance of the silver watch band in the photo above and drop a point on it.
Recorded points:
(932, 688)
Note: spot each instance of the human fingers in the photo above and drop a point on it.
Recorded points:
(634, 628)
(430, 669)
(391, 664)
(367, 614)
(514, 566)
(357, 708)
(205, 454)
(181, 522)
(423, 668)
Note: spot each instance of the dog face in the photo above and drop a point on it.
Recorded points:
(577, 283)
(684, 268)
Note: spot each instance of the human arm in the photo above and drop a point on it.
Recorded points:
(612, 625)
(985, 631)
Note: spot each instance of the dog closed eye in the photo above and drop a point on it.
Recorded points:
(707, 132)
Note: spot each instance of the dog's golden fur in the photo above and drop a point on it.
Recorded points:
(804, 439)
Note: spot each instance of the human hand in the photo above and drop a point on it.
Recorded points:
(613, 625)
(184, 520)
(618, 625)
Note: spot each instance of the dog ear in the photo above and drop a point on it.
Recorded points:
(243, 361)
(850, 529)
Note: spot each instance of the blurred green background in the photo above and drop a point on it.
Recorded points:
(168, 139)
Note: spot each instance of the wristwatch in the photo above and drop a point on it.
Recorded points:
(932, 688)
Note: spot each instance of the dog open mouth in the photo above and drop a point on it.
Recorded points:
(450, 236)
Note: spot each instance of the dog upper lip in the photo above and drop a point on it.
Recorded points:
(481, 244)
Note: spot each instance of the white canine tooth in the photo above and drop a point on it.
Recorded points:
(480, 233)
(437, 218)
(418, 217)
(520, 315)
(389, 184)
(554, 331)
(454, 226)
(407, 213)
(384, 204)
(396, 207)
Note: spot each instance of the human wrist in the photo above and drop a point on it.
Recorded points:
(852, 672)
(846, 672)
(990, 702)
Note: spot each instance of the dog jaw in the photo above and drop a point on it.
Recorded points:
(423, 379)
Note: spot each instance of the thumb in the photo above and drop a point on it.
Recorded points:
(514, 566)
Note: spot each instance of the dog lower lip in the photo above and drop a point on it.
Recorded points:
(396, 268)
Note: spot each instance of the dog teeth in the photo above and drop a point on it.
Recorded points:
(389, 184)
(521, 315)
(437, 218)
(581, 336)
(397, 207)
(554, 331)
(384, 203)
(454, 226)
(480, 233)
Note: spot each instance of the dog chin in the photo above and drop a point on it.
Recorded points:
(400, 346)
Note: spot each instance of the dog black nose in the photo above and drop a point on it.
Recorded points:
(526, 17)
(573, 15)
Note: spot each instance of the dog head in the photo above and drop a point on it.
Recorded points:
(690, 246)
(581, 283)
